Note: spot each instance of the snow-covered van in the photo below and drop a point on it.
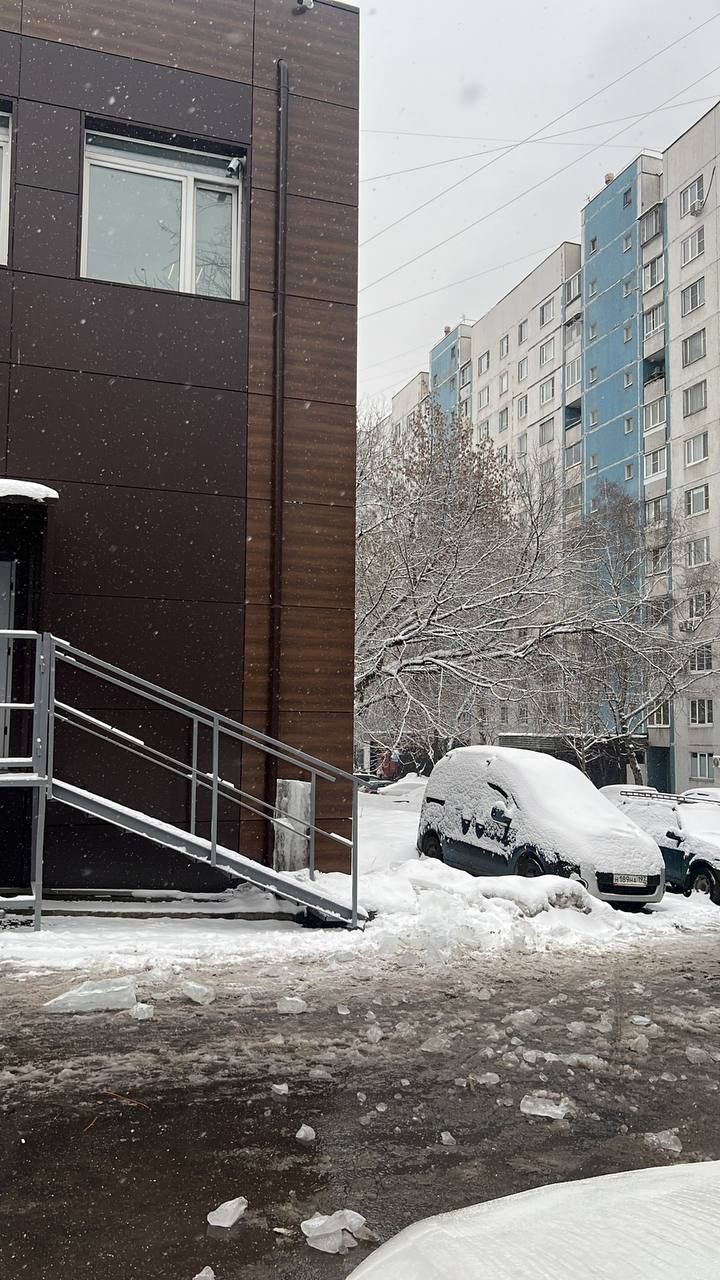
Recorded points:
(687, 830)
(489, 810)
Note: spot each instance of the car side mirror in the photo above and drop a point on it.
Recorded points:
(674, 835)
(499, 813)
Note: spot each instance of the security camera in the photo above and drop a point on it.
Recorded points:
(233, 168)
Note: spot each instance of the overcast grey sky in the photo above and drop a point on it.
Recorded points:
(493, 73)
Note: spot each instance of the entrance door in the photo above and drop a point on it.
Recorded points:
(7, 612)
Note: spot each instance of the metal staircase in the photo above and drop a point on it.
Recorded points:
(39, 667)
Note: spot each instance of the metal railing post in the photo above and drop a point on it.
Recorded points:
(40, 755)
(193, 784)
(311, 832)
(354, 854)
(215, 775)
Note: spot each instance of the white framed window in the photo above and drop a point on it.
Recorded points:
(593, 462)
(593, 244)
(522, 407)
(504, 714)
(504, 345)
(484, 362)
(655, 413)
(627, 333)
(573, 371)
(693, 348)
(573, 497)
(592, 331)
(484, 429)
(629, 471)
(465, 374)
(693, 246)
(547, 311)
(627, 197)
(654, 320)
(692, 196)
(628, 426)
(504, 382)
(701, 659)
(594, 505)
(653, 273)
(573, 455)
(5, 170)
(593, 374)
(503, 419)
(484, 397)
(161, 217)
(594, 415)
(693, 296)
(547, 391)
(573, 289)
(503, 453)
(627, 288)
(656, 463)
(573, 332)
(659, 717)
(522, 369)
(697, 448)
(701, 711)
(698, 552)
(521, 445)
(656, 510)
(701, 765)
(547, 469)
(699, 606)
(547, 430)
(627, 378)
(592, 288)
(694, 399)
(547, 352)
(627, 243)
(522, 332)
(651, 224)
(697, 500)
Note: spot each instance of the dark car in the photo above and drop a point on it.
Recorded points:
(687, 829)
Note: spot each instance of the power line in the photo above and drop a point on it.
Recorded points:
(473, 155)
(542, 129)
(421, 346)
(528, 191)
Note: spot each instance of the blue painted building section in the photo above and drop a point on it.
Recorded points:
(613, 338)
(447, 358)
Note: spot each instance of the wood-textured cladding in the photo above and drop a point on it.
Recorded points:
(151, 412)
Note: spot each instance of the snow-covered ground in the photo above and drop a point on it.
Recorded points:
(425, 913)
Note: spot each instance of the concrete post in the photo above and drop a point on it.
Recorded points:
(293, 802)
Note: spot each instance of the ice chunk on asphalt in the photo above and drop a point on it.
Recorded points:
(437, 1043)
(343, 1010)
(639, 1044)
(522, 1019)
(550, 1106)
(143, 1012)
(697, 1055)
(319, 1073)
(488, 1078)
(305, 1133)
(666, 1140)
(197, 992)
(373, 1034)
(98, 995)
(483, 994)
(291, 1004)
(228, 1213)
(334, 1232)
(207, 1273)
(280, 1090)
(447, 1139)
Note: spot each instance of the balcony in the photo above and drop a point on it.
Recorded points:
(654, 380)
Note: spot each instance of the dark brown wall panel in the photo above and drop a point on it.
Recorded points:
(9, 64)
(321, 247)
(213, 36)
(318, 556)
(105, 430)
(48, 147)
(258, 570)
(123, 89)
(10, 11)
(317, 668)
(320, 452)
(137, 333)
(321, 49)
(257, 660)
(4, 381)
(323, 150)
(259, 463)
(260, 356)
(45, 231)
(6, 289)
(133, 542)
(321, 351)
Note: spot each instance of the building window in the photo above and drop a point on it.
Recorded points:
(628, 426)
(5, 141)
(592, 288)
(697, 500)
(693, 296)
(697, 449)
(701, 765)
(522, 369)
(655, 413)
(694, 399)
(653, 273)
(547, 352)
(573, 332)
(627, 243)
(504, 382)
(693, 246)
(692, 196)
(698, 606)
(573, 455)
(572, 289)
(547, 391)
(522, 407)
(698, 552)
(503, 453)
(503, 418)
(594, 412)
(701, 659)
(627, 333)
(593, 244)
(504, 346)
(547, 430)
(522, 332)
(627, 378)
(547, 312)
(484, 397)
(693, 348)
(629, 471)
(593, 462)
(594, 505)
(484, 362)
(655, 463)
(651, 224)
(547, 469)
(627, 288)
(521, 445)
(484, 429)
(654, 320)
(465, 374)
(573, 371)
(523, 714)
(659, 717)
(656, 510)
(701, 711)
(161, 217)
(573, 497)
(592, 331)
(504, 714)
(593, 374)
(627, 197)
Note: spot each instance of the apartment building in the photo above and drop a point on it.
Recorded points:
(450, 374)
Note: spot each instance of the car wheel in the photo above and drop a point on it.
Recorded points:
(431, 846)
(705, 880)
(529, 866)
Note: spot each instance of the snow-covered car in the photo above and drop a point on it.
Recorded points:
(687, 831)
(702, 793)
(494, 810)
(612, 792)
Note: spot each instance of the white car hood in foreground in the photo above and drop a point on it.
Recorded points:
(650, 1224)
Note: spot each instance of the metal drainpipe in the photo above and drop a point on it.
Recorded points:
(278, 437)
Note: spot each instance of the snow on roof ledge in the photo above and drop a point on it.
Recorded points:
(26, 489)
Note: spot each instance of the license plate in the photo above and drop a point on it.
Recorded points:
(635, 882)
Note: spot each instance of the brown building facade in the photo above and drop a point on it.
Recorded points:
(198, 423)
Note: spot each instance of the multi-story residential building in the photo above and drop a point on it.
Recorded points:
(450, 379)
(408, 403)
(526, 369)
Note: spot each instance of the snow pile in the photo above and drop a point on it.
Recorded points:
(574, 1229)
(99, 996)
(27, 489)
